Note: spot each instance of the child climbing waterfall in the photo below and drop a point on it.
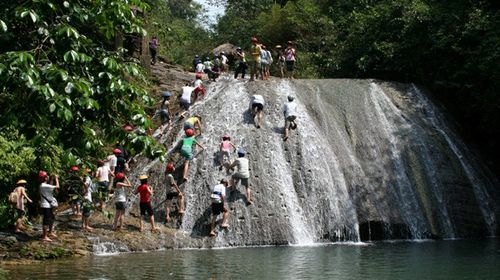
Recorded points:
(225, 150)
(185, 148)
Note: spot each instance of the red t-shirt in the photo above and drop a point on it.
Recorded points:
(144, 193)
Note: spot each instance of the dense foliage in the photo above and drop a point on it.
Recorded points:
(451, 47)
(66, 90)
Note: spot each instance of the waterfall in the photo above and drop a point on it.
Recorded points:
(369, 160)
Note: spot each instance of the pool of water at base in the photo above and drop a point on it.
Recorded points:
(459, 259)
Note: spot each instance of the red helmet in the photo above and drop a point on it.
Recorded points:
(42, 175)
(119, 176)
(199, 75)
(254, 39)
(189, 132)
(117, 151)
(226, 136)
(74, 168)
(170, 167)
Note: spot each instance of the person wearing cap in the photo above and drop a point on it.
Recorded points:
(74, 186)
(290, 58)
(281, 60)
(121, 162)
(257, 108)
(194, 122)
(20, 190)
(290, 113)
(185, 146)
(172, 191)
(145, 191)
(120, 196)
(218, 197)
(47, 204)
(255, 51)
(242, 63)
(242, 174)
(225, 150)
(224, 61)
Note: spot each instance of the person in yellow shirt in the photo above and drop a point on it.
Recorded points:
(255, 64)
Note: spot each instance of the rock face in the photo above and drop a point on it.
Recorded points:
(369, 160)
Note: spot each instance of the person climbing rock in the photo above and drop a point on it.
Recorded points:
(196, 60)
(172, 191)
(20, 198)
(153, 48)
(47, 204)
(120, 196)
(102, 175)
(208, 65)
(74, 187)
(164, 112)
(145, 191)
(121, 162)
(225, 150)
(185, 146)
(194, 122)
(242, 63)
(87, 201)
(242, 174)
(199, 88)
(200, 68)
(255, 51)
(224, 62)
(256, 108)
(290, 112)
(290, 59)
(185, 99)
(215, 71)
(218, 197)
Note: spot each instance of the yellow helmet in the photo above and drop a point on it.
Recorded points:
(21, 182)
(143, 177)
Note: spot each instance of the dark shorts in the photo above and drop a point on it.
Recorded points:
(20, 213)
(120, 205)
(188, 125)
(48, 216)
(259, 106)
(146, 209)
(244, 181)
(171, 195)
(164, 117)
(185, 104)
(86, 209)
(218, 208)
(289, 65)
(289, 121)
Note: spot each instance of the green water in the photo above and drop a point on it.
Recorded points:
(398, 260)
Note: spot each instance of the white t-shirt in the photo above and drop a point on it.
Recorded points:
(88, 184)
(223, 59)
(218, 192)
(186, 93)
(111, 161)
(290, 109)
(242, 168)
(257, 99)
(200, 67)
(198, 82)
(103, 173)
(169, 181)
(120, 195)
(47, 196)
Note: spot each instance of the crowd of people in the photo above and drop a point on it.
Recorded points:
(90, 190)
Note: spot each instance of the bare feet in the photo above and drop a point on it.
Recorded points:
(211, 234)
(46, 239)
(181, 211)
(53, 235)
(155, 229)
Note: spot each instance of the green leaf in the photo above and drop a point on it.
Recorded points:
(3, 26)
(52, 108)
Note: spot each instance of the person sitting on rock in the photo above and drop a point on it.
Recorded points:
(218, 197)
(185, 146)
(172, 190)
(20, 190)
(242, 174)
(257, 107)
(225, 150)
(290, 112)
(120, 195)
(145, 191)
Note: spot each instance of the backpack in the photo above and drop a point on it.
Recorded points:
(13, 197)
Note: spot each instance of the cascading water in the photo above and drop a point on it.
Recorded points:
(368, 160)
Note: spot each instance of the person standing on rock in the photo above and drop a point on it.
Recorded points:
(257, 108)
(255, 51)
(242, 63)
(153, 48)
(145, 191)
(87, 201)
(223, 59)
(290, 113)
(120, 196)
(242, 174)
(20, 190)
(102, 174)
(281, 60)
(290, 58)
(218, 197)
(172, 191)
(47, 204)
